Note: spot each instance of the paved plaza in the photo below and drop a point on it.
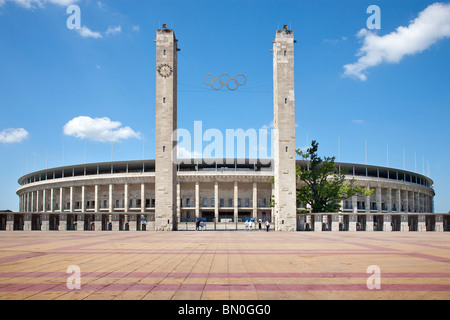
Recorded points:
(224, 265)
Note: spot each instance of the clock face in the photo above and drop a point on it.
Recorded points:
(164, 70)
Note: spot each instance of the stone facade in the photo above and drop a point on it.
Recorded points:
(121, 196)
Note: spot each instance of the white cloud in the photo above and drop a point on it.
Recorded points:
(136, 28)
(183, 153)
(85, 32)
(114, 30)
(358, 121)
(432, 25)
(31, 4)
(335, 41)
(99, 129)
(267, 127)
(13, 135)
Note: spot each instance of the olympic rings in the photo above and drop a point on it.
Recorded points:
(226, 83)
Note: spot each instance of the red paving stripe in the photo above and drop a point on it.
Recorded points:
(262, 252)
(429, 257)
(22, 256)
(203, 275)
(222, 287)
(343, 253)
(239, 252)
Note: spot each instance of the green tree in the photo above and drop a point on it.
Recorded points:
(323, 187)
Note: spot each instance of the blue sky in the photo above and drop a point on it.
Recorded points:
(49, 75)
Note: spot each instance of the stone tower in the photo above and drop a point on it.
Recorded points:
(285, 211)
(166, 124)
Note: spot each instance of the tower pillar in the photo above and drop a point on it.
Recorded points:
(285, 210)
(166, 125)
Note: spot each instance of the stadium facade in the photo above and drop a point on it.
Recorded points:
(166, 195)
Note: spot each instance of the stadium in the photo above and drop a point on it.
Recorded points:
(121, 196)
(149, 195)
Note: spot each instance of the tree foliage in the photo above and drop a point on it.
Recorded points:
(323, 187)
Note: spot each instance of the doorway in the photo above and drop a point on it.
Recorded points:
(53, 223)
(413, 222)
(378, 221)
(396, 223)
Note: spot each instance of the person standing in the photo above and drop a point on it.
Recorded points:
(260, 224)
(197, 224)
(267, 225)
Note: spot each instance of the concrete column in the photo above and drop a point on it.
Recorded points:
(378, 194)
(355, 204)
(98, 221)
(369, 222)
(27, 222)
(236, 196)
(411, 200)
(80, 222)
(416, 202)
(71, 199)
(61, 199)
(32, 201)
(115, 222)
(178, 204)
(44, 222)
(404, 227)
(255, 201)
(352, 222)
(10, 222)
(216, 201)
(197, 200)
(52, 195)
(133, 222)
(421, 225)
(37, 201)
(318, 222)
(62, 222)
(399, 200)
(83, 199)
(126, 198)
(143, 197)
(335, 222)
(389, 199)
(44, 200)
(110, 198)
(367, 201)
(439, 223)
(96, 203)
(387, 218)
(405, 200)
(421, 202)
